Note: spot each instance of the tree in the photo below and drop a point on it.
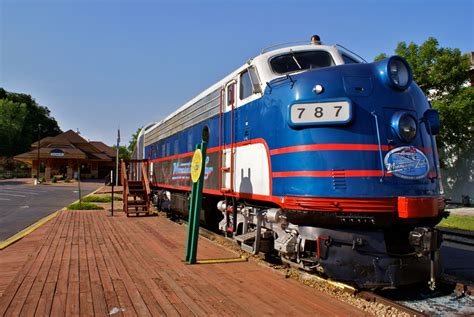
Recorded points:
(442, 74)
(35, 115)
(12, 120)
(438, 71)
(124, 153)
(133, 140)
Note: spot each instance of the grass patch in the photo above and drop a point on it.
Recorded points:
(100, 199)
(458, 222)
(84, 206)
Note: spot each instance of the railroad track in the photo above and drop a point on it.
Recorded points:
(457, 236)
(450, 298)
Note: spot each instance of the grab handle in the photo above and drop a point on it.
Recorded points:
(380, 145)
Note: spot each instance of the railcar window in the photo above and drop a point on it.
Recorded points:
(230, 95)
(349, 60)
(176, 147)
(245, 85)
(296, 61)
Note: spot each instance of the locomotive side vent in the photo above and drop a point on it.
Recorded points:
(339, 179)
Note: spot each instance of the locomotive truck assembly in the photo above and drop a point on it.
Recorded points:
(316, 156)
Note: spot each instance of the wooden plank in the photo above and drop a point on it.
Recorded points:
(31, 302)
(115, 250)
(72, 296)
(97, 290)
(111, 297)
(193, 284)
(58, 307)
(138, 273)
(189, 296)
(46, 300)
(13, 299)
(85, 292)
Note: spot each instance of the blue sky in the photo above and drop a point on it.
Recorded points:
(102, 64)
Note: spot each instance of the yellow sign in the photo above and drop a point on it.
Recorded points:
(196, 166)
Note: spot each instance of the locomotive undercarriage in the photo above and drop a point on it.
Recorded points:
(374, 257)
(365, 258)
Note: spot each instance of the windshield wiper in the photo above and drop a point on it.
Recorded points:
(296, 61)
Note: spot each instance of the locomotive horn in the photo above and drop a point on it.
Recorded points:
(315, 40)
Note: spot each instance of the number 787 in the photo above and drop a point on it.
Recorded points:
(318, 111)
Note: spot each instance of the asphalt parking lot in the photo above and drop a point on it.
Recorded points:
(22, 203)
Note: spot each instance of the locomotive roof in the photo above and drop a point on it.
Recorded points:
(264, 71)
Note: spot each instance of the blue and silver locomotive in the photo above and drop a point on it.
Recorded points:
(316, 156)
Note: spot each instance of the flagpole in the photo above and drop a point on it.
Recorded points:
(117, 158)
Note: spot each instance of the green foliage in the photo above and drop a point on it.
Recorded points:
(84, 206)
(457, 125)
(12, 120)
(438, 71)
(380, 57)
(133, 140)
(458, 222)
(124, 154)
(54, 179)
(100, 199)
(25, 122)
(442, 74)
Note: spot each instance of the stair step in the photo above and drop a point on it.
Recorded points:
(246, 236)
(136, 202)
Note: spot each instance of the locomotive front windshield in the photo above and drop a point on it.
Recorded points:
(297, 61)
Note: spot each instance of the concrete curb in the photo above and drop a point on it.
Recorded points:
(23, 233)
(28, 230)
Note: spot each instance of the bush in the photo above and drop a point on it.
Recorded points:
(101, 199)
(67, 180)
(84, 206)
(54, 179)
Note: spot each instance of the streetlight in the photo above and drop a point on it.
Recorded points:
(39, 141)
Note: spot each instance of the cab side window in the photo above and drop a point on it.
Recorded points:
(245, 85)
(349, 60)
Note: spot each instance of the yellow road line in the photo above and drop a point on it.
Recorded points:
(23, 233)
(27, 230)
(227, 260)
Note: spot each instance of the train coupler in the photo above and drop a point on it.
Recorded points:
(427, 241)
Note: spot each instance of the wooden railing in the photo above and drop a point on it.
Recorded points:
(135, 172)
(145, 181)
(124, 180)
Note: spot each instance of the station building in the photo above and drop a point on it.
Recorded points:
(67, 153)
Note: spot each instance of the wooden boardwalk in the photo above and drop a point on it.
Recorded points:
(88, 263)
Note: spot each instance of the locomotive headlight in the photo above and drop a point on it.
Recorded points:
(404, 125)
(396, 72)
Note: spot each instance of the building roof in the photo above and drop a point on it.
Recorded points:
(104, 148)
(68, 145)
(68, 137)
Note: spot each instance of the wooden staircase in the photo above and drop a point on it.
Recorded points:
(136, 188)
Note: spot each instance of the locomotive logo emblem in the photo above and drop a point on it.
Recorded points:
(407, 162)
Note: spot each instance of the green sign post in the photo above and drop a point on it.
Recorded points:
(197, 176)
